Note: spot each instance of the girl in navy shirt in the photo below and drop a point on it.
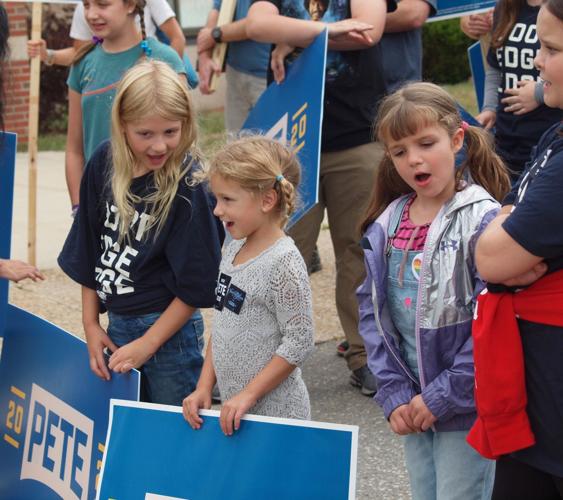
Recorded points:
(514, 95)
(523, 242)
(145, 244)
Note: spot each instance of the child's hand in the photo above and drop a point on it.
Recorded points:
(16, 270)
(132, 355)
(233, 410)
(422, 417)
(400, 420)
(97, 340)
(200, 398)
(521, 100)
(487, 118)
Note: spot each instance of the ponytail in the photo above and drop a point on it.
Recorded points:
(287, 197)
(485, 166)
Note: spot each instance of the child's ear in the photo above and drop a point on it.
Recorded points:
(457, 139)
(269, 200)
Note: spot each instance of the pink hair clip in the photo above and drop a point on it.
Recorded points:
(464, 125)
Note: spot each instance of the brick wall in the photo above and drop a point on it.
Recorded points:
(17, 72)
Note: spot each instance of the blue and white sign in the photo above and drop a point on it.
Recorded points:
(457, 8)
(477, 65)
(152, 453)
(292, 112)
(53, 411)
(8, 143)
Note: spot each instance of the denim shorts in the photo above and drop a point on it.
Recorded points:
(172, 373)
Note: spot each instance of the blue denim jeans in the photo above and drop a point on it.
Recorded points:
(172, 373)
(442, 466)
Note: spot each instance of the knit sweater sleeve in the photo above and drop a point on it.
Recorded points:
(291, 296)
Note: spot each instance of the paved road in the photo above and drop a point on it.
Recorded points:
(381, 473)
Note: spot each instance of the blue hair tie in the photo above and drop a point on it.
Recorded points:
(96, 40)
(146, 49)
(279, 178)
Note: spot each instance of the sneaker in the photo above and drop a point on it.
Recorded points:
(342, 348)
(364, 379)
(216, 395)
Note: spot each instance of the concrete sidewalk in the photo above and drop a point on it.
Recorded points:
(53, 208)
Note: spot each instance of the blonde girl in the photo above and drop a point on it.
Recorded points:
(416, 302)
(145, 245)
(117, 45)
(263, 327)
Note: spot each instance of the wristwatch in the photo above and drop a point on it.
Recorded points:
(217, 34)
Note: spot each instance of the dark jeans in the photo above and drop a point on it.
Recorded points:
(172, 373)
(515, 480)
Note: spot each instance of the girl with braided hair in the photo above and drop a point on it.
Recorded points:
(117, 45)
(263, 326)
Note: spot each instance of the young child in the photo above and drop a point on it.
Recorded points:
(519, 365)
(513, 90)
(263, 327)
(145, 244)
(94, 75)
(416, 303)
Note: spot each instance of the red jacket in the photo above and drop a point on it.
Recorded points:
(502, 424)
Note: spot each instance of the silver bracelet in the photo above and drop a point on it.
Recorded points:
(50, 57)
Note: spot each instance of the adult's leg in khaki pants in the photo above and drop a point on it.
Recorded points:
(349, 183)
(345, 188)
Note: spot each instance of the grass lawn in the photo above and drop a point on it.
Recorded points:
(212, 131)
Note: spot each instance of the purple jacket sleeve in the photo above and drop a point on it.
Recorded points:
(394, 388)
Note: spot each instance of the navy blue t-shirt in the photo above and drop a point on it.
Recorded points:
(145, 273)
(354, 82)
(516, 135)
(536, 224)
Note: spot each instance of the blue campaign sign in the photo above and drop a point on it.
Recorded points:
(292, 112)
(266, 458)
(477, 66)
(457, 8)
(53, 411)
(7, 165)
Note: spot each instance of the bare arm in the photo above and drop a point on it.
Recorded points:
(171, 28)
(201, 397)
(96, 337)
(136, 353)
(205, 64)
(364, 28)
(61, 57)
(74, 146)
(409, 15)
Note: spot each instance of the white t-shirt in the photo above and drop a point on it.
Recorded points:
(156, 13)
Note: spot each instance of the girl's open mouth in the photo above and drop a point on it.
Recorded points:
(422, 178)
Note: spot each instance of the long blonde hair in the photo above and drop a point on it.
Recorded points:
(148, 88)
(404, 113)
(258, 164)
